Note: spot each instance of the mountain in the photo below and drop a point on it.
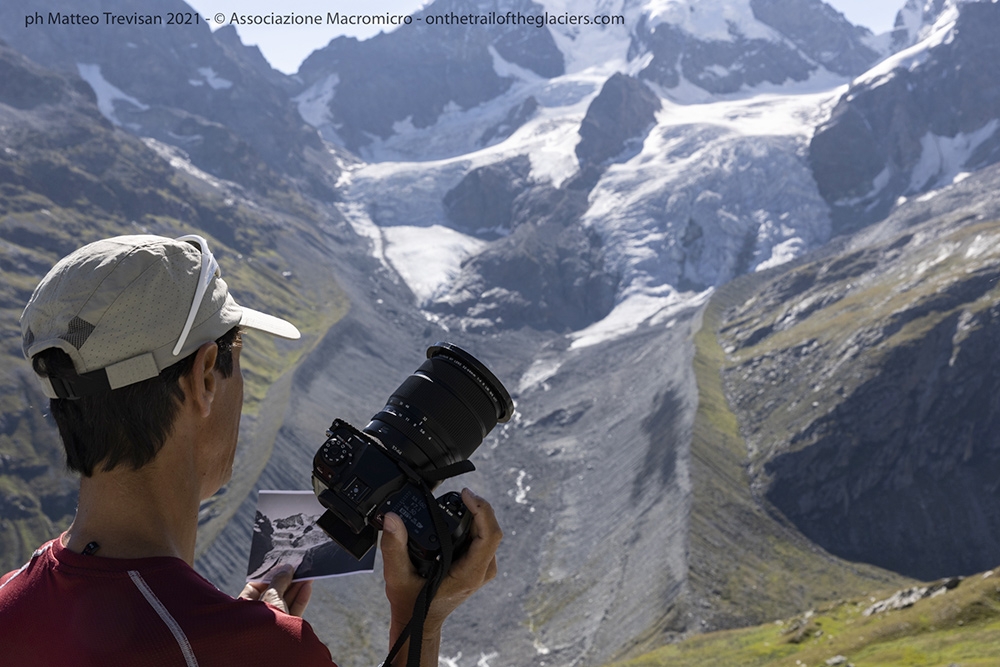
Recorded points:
(862, 378)
(723, 46)
(364, 95)
(357, 91)
(646, 229)
(923, 118)
(201, 92)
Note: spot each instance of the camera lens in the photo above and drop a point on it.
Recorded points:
(442, 412)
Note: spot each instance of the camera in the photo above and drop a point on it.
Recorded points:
(428, 429)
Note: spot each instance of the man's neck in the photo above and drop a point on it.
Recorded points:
(137, 514)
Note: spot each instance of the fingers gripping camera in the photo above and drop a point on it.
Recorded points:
(426, 432)
(358, 483)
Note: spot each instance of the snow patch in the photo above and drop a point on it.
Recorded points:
(520, 494)
(215, 81)
(314, 102)
(944, 252)
(772, 110)
(505, 69)
(942, 32)
(592, 48)
(982, 245)
(484, 659)
(719, 20)
(919, 18)
(107, 94)
(634, 310)
(178, 160)
(942, 158)
(539, 371)
(717, 71)
(782, 253)
(428, 258)
(878, 184)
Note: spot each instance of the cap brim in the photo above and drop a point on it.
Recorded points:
(254, 319)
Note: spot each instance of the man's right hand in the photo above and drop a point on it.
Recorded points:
(467, 575)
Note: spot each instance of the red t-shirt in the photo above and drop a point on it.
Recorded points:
(63, 608)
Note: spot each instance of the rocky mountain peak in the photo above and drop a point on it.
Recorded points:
(749, 43)
(916, 20)
(916, 122)
(356, 91)
(203, 93)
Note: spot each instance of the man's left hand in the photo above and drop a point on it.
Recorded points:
(280, 592)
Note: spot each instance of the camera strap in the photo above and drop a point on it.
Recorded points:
(415, 628)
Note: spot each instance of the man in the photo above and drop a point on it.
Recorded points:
(136, 341)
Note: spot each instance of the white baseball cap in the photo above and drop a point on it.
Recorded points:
(127, 307)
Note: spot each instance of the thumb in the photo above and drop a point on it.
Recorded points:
(274, 595)
(394, 540)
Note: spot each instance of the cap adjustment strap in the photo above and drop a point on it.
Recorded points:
(132, 370)
(86, 384)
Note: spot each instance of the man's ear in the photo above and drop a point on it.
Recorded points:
(202, 382)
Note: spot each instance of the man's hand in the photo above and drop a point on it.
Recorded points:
(280, 592)
(467, 575)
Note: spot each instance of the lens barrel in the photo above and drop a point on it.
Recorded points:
(440, 414)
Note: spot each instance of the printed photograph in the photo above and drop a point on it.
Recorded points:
(285, 532)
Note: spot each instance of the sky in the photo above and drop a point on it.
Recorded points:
(285, 47)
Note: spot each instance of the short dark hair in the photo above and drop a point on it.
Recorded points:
(128, 425)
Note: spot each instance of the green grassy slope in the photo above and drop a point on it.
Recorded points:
(746, 566)
(958, 627)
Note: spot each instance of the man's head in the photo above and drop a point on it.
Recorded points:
(114, 328)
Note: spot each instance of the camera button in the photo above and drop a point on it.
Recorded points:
(356, 490)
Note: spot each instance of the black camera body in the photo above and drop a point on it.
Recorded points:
(359, 482)
(430, 426)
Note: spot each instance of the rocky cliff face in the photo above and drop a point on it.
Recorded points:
(356, 91)
(204, 93)
(918, 121)
(863, 379)
(547, 273)
(820, 32)
(616, 123)
(549, 269)
(761, 41)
